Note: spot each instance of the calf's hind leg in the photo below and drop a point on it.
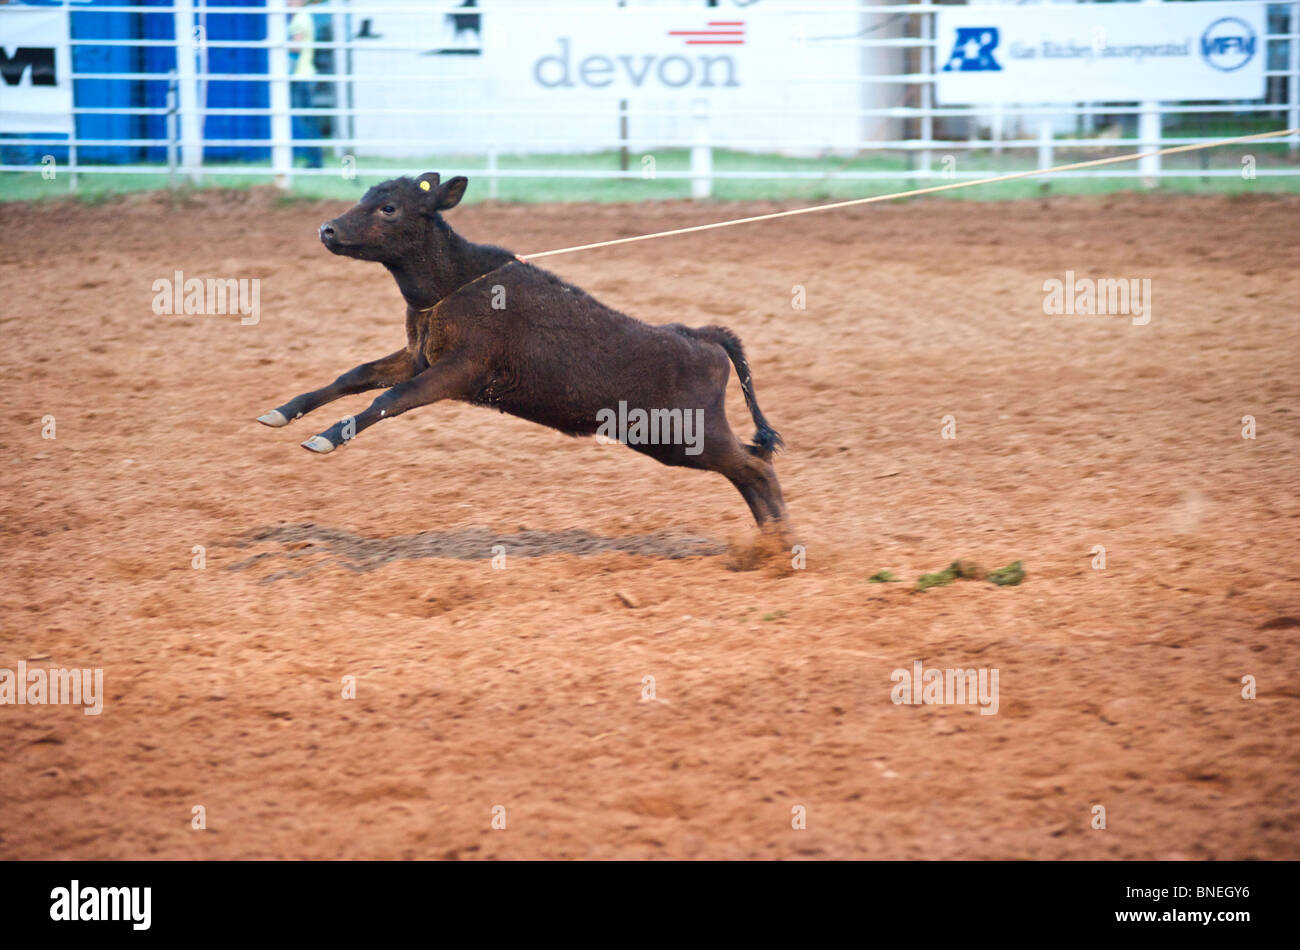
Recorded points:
(754, 477)
(757, 483)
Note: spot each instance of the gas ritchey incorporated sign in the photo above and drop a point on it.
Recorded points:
(1094, 53)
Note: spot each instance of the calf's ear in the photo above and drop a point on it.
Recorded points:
(449, 194)
(428, 181)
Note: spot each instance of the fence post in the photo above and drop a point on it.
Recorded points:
(351, 96)
(701, 153)
(927, 90)
(1045, 134)
(622, 135)
(171, 129)
(1149, 134)
(1149, 139)
(187, 91)
(277, 67)
(72, 116)
(1293, 80)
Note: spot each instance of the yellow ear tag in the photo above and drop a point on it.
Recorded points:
(424, 186)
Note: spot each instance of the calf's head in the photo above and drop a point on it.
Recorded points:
(395, 221)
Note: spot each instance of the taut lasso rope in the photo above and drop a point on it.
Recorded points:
(1259, 136)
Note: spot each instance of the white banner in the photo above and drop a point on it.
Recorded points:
(518, 79)
(35, 70)
(1100, 53)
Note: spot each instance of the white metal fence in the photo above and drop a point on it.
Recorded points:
(419, 89)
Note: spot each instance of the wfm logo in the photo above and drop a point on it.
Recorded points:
(1228, 44)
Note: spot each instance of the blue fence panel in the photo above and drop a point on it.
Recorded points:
(155, 59)
(228, 94)
(88, 24)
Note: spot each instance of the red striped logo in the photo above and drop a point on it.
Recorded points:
(719, 33)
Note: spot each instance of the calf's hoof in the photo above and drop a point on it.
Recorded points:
(275, 418)
(318, 443)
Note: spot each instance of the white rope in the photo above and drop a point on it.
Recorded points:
(1092, 163)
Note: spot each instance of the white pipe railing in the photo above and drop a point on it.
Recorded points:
(185, 144)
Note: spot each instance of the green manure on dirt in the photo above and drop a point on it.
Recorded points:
(1008, 576)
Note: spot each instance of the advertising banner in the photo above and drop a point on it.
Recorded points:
(1100, 53)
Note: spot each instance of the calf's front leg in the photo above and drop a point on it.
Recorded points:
(446, 379)
(393, 368)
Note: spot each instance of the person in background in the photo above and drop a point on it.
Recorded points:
(302, 82)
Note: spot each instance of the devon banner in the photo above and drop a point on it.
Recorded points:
(1100, 53)
(712, 51)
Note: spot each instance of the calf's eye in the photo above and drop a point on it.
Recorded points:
(388, 209)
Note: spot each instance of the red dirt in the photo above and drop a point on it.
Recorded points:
(523, 687)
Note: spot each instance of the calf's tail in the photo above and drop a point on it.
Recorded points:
(766, 439)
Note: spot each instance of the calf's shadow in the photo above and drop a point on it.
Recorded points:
(362, 554)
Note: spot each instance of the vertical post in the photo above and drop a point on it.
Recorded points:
(277, 67)
(191, 131)
(701, 153)
(72, 139)
(1293, 80)
(339, 30)
(995, 128)
(351, 100)
(493, 186)
(927, 90)
(1148, 140)
(1045, 142)
(622, 122)
(199, 40)
(171, 129)
(622, 135)
(1149, 134)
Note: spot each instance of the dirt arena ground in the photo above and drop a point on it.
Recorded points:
(523, 687)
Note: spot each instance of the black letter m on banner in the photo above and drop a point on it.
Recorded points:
(40, 59)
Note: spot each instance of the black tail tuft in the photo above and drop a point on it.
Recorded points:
(766, 440)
